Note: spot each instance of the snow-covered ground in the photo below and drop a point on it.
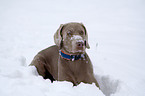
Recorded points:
(116, 30)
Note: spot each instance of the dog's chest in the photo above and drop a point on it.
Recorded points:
(77, 67)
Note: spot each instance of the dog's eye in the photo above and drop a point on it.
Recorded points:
(69, 33)
(81, 33)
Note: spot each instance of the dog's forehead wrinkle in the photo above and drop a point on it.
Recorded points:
(74, 27)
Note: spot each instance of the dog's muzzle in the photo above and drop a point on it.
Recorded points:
(78, 43)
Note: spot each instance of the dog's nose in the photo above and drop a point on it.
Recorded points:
(80, 44)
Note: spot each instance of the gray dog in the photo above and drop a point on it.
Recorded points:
(67, 60)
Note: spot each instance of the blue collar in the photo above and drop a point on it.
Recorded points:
(70, 57)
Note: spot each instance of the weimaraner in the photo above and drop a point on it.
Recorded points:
(67, 60)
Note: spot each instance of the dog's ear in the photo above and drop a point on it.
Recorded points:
(58, 36)
(86, 37)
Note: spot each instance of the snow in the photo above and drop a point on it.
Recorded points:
(76, 37)
(116, 37)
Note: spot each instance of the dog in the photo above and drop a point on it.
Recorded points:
(67, 60)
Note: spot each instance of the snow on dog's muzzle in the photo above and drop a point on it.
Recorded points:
(78, 43)
(78, 40)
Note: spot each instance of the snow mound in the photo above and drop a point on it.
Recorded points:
(25, 81)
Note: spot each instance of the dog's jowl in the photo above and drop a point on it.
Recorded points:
(67, 60)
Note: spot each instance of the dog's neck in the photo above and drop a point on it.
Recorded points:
(71, 57)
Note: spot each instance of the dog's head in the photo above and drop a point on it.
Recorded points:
(72, 37)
